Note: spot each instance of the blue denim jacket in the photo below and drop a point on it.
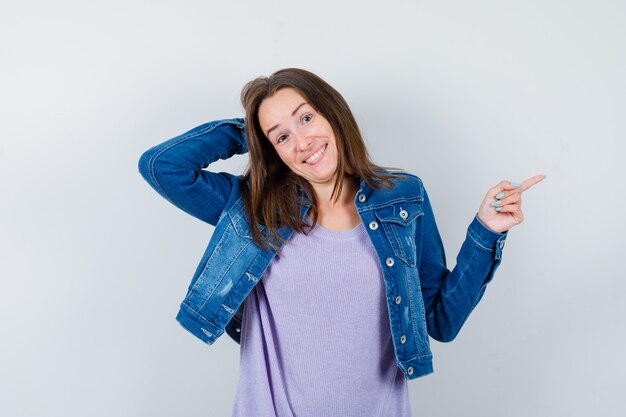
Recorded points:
(423, 297)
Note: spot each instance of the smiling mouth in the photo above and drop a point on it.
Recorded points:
(311, 159)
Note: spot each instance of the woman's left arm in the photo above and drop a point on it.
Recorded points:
(450, 296)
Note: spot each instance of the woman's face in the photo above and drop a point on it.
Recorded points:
(302, 137)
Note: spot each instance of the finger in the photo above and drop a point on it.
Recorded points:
(503, 188)
(510, 199)
(514, 210)
(531, 181)
(517, 214)
(506, 188)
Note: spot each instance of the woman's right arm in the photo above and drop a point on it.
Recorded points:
(174, 168)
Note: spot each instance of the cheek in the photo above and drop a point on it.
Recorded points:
(335, 146)
(283, 154)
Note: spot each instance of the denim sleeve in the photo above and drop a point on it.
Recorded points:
(174, 168)
(450, 296)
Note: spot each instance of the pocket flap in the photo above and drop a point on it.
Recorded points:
(401, 212)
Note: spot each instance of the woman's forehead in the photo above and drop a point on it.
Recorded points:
(279, 107)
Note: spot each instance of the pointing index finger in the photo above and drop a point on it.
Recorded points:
(531, 181)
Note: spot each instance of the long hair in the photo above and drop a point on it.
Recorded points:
(272, 194)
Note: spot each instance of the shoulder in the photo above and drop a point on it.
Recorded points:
(403, 177)
(406, 184)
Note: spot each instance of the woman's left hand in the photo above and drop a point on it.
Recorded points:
(502, 207)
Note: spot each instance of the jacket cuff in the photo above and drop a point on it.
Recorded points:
(486, 238)
(240, 123)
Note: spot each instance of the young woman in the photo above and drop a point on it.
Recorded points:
(339, 261)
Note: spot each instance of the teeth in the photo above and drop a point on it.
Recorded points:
(316, 155)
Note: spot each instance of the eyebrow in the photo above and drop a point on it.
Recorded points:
(293, 113)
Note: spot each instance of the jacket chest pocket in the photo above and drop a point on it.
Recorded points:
(399, 223)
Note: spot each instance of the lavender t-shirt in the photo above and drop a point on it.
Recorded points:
(315, 337)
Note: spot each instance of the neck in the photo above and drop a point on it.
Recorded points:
(346, 197)
(340, 214)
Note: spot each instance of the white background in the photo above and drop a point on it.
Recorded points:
(94, 264)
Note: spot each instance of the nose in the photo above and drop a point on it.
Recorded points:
(303, 142)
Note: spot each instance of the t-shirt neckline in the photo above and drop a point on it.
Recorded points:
(325, 233)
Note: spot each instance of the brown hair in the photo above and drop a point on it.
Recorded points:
(272, 194)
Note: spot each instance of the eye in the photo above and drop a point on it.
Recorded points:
(307, 118)
(281, 138)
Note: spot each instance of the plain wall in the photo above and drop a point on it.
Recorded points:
(94, 264)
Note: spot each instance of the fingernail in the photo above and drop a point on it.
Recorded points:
(498, 208)
(516, 184)
(496, 203)
(500, 195)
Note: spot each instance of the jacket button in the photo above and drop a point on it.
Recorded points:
(373, 225)
(389, 261)
(238, 330)
(362, 198)
(404, 214)
(402, 339)
(409, 370)
(398, 299)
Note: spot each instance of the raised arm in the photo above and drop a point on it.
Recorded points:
(174, 168)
